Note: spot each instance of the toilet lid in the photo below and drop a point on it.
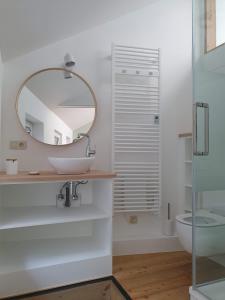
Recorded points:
(203, 220)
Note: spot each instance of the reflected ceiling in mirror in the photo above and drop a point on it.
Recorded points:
(54, 105)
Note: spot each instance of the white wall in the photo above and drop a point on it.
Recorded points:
(164, 24)
(30, 104)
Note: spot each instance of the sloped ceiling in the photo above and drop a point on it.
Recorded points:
(26, 25)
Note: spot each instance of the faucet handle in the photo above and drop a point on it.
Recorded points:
(80, 135)
(92, 151)
(60, 196)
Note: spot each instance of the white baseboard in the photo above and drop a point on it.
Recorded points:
(161, 244)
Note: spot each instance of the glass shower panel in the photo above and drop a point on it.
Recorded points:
(208, 178)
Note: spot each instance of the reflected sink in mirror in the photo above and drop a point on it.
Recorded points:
(65, 165)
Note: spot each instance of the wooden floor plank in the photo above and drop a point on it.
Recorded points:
(158, 276)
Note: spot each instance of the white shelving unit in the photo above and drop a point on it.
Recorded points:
(29, 255)
(20, 217)
(185, 173)
(43, 246)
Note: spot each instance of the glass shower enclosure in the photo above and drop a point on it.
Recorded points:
(208, 180)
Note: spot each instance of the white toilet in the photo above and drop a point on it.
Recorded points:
(210, 233)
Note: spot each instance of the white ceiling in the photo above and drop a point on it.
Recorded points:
(26, 25)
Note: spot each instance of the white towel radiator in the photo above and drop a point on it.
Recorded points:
(136, 128)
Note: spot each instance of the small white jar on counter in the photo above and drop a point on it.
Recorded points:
(11, 166)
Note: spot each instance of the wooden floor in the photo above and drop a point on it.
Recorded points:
(160, 276)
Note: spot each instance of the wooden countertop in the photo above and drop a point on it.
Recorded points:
(48, 176)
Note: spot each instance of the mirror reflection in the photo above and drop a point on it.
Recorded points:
(55, 105)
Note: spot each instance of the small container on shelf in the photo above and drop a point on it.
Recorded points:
(11, 166)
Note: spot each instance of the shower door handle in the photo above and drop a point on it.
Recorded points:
(205, 151)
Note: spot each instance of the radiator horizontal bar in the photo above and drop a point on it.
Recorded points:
(137, 181)
(134, 181)
(129, 52)
(136, 55)
(136, 138)
(141, 86)
(149, 183)
(153, 170)
(117, 46)
(141, 188)
(147, 96)
(137, 204)
(123, 200)
(135, 90)
(135, 124)
(144, 62)
(150, 174)
(125, 169)
(139, 198)
(137, 129)
(136, 186)
(138, 210)
(140, 101)
(148, 190)
(121, 151)
(136, 163)
(135, 112)
(140, 206)
(138, 146)
(124, 173)
(137, 93)
(137, 67)
(134, 203)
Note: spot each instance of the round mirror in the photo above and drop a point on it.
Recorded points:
(55, 105)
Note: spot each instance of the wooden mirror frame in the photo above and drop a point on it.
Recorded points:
(63, 70)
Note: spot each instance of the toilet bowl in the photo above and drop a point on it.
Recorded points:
(209, 233)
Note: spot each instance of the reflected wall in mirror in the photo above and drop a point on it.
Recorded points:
(54, 105)
(214, 24)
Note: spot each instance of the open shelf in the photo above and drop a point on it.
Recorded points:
(34, 254)
(19, 217)
(44, 246)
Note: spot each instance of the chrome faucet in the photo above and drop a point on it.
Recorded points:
(68, 186)
(71, 192)
(89, 152)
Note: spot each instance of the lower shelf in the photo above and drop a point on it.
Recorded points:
(23, 282)
(21, 217)
(28, 255)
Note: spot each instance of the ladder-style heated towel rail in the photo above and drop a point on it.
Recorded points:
(136, 128)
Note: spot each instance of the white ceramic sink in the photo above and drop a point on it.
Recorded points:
(65, 165)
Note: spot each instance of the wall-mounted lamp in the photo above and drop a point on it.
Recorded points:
(69, 63)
